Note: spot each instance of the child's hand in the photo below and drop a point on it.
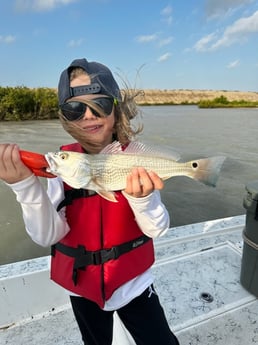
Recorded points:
(12, 169)
(141, 183)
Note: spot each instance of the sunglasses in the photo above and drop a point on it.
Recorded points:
(75, 110)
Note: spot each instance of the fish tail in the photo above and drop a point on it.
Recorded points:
(207, 170)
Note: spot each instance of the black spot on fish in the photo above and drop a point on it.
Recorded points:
(195, 165)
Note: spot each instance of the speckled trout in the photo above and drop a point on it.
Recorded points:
(106, 171)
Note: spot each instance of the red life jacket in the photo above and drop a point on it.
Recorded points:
(104, 248)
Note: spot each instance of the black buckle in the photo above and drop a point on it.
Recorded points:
(104, 255)
(85, 89)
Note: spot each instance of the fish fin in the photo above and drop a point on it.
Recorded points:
(166, 178)
(110, 196)
(135, 147)
(207, 170)
(106, 194)
(114, 147)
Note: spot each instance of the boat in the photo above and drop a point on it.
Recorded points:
(197, 276)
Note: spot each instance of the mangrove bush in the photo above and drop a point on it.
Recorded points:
(23, 103)
(223, 102)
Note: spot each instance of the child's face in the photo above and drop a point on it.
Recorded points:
(96, 130)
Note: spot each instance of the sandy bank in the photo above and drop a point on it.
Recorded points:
(192, 96)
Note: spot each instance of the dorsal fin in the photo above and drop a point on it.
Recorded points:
(115, 147)
(135, 147)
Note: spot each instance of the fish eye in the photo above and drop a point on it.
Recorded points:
(63, 155)
(195, 165)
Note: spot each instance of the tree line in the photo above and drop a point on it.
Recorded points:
(23, 103)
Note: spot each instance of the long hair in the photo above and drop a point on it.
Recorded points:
(125, 111)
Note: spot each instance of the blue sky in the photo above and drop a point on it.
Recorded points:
(152, 44)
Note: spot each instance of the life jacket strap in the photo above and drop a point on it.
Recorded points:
(72, 194)
(83, 257)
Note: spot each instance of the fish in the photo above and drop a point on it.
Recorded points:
(106, 171)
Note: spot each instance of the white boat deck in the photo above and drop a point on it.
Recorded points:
(197, 273)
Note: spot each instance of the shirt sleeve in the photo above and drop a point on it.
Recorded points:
(43, 223)
(150, 214)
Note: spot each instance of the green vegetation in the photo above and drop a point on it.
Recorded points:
(23, 103)
(166, 103)
(223, 102)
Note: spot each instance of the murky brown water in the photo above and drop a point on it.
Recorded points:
(191, 131)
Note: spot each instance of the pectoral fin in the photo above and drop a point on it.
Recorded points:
(166, 178)
(110, 196)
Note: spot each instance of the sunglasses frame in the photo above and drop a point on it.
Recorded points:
(86, 104)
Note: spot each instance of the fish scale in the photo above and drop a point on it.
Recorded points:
(111, 171)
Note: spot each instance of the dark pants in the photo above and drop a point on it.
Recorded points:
(143, 317)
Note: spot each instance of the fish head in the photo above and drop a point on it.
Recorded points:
(72, 167)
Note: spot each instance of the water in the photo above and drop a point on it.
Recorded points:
(191, 131)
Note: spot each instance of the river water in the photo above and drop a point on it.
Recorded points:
(191, 131)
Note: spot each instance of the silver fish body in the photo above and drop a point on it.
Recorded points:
(107, 171)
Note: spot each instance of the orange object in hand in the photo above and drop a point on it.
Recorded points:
(36, 162)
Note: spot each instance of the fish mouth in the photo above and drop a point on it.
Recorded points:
(52, 166)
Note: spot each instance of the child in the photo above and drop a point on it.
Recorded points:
(102, 251)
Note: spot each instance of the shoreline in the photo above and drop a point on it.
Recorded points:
(181, 96)
(42, 103)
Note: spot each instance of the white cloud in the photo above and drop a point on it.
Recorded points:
(168, 20)
(166, 14)
(146, 38)
(166, 11)
(165, 41)
(75, 43)
(203, 43)
(233, 64)
(40, 5)
(7, 39)
(238, 32)
(220, 8)
(160, 42)
(164, 57)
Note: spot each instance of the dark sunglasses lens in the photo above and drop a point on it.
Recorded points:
(73, 110)
(106, 104)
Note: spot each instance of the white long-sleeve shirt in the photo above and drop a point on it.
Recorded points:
(46, 226)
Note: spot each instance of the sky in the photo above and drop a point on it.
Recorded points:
(147, 44)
